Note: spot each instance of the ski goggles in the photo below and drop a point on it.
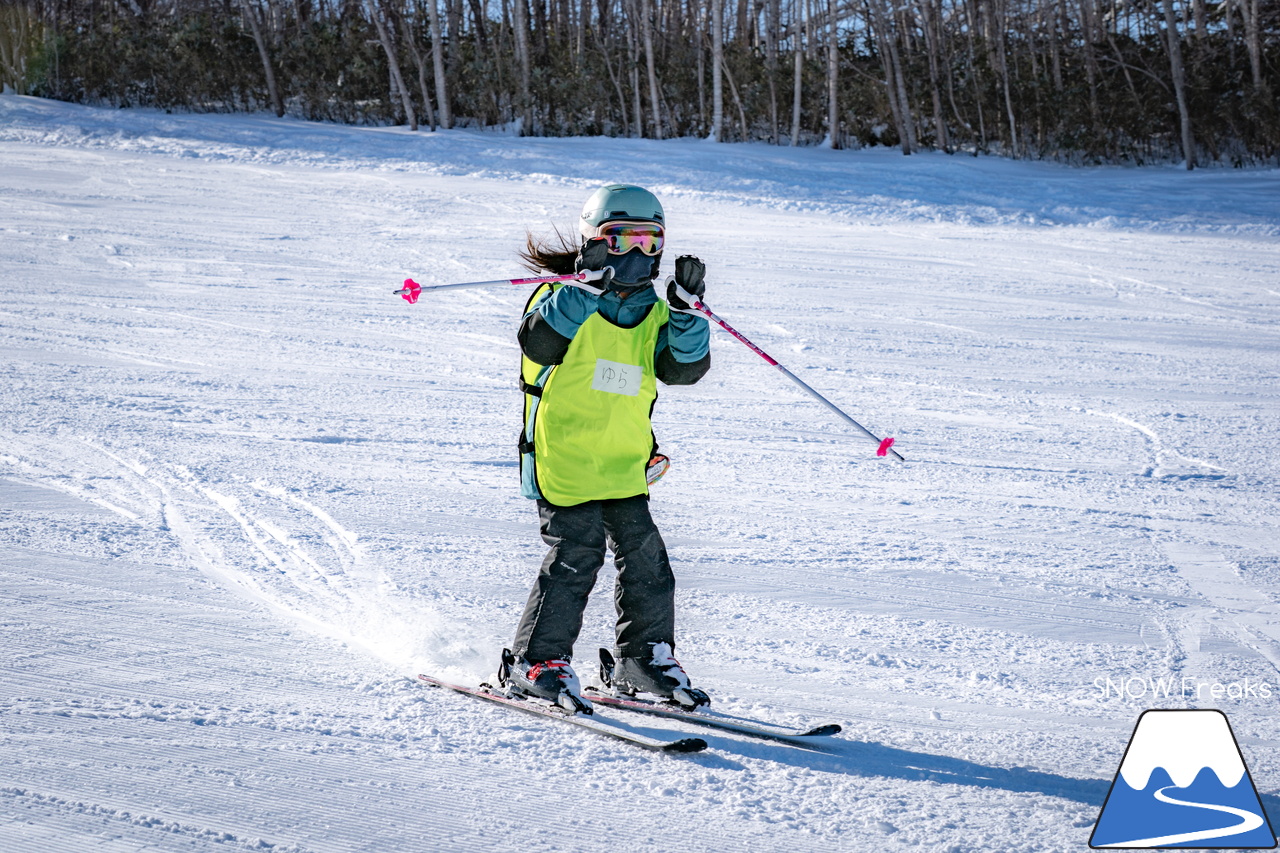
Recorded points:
(622, 237)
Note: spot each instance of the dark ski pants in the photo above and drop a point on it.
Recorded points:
(644, 594)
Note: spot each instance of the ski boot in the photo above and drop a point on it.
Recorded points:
(658, 673)
(552, 680)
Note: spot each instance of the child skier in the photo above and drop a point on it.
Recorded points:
(589, 372)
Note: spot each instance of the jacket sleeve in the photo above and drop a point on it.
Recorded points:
(549, 327)
(683, 354)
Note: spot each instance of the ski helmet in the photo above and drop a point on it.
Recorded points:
(625, 202)
(619, 201)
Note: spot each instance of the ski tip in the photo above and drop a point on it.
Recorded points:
(882, 450)
(824, 731)
(689, 744)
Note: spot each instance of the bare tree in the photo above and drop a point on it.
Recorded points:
(1088, 26)
(929, 16)
(833, 76)
(1174, 41)
(717, 70)
(737, 100)
(437, 58)
(772, 16)
(797, 51)
(900, 85)
(410, 38)
(1250, 11)
(21, 34)
(393, 62)
(250, 9)
(899, 108)
(1084, 80)
(520, 23)
(1002, 68)
(617, 84)
(646, 25)
(633, 50)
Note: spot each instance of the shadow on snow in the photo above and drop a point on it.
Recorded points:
(873, 760)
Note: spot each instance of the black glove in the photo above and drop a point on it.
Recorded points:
(594, 255)
(689, 273)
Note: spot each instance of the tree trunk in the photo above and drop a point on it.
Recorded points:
(1002, 67)
(772, 14)
(1249, 11)
(1179, 83)
(520, 23)
(437, 58)
(393, 63)
(797, 88)
(255, 26)
(1087, 16)
(833, 77)
(977, 92)
(932, 37)
(646, 26)
(633, 43)
(19, 36)
(742, 113)
(540, 28)
(420, 62)
(617, 84)
(896, 108)
(717, 70)
(478, 15)
(453, 18)
(897, 103)
(520, 28)
(899, 79)
(1055, 49)
(700, 36)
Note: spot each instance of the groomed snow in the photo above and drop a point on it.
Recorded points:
(246, 493)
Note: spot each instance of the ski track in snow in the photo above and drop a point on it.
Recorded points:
(246, 493)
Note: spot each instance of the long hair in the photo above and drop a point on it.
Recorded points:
(554, 255)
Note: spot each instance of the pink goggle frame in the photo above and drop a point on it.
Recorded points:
(623, 236)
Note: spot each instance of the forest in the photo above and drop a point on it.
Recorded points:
(1193, 82)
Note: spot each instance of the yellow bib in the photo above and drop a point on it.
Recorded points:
(590, 427)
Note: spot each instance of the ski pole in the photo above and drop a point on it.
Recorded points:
(412, 290)
(885, 447)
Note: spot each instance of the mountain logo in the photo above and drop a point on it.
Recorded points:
(1183, 784)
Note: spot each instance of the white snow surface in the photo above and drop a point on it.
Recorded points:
(246, 493)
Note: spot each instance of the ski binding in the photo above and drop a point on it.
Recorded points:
(699, 715)
(589, 722)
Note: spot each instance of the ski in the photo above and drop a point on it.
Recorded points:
(697, 714)
(590, 723)
(753, 728)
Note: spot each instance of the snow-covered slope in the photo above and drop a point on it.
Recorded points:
(245, 491)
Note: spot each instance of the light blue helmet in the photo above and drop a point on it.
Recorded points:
(619, 201)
